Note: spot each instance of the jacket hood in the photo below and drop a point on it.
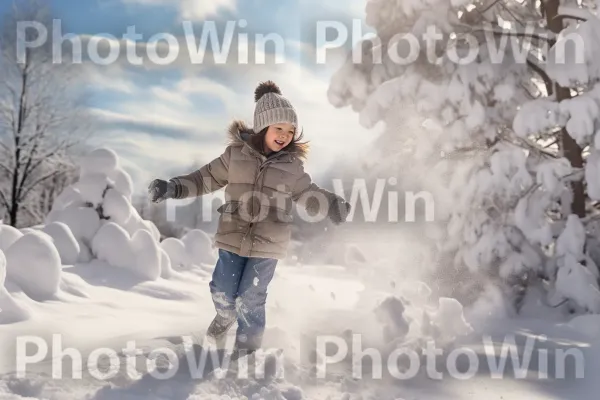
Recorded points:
(239, 133)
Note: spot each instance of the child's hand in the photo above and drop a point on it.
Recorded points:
(160, 190)
(338, 210)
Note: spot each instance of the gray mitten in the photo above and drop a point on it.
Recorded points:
(160, 190)
(338, 210)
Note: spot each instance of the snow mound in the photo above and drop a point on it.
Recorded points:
(69, 196)
(65, 242)
(588, 325)
(10, 310)
(2, 268)
(103, 223)
(147, 254)
(100, 161)
(8, 235)
(165, 264)
(33, 263)
(140, 254)
(194, 249)
(82, 221)
(177, 253)
(199, 246)
(414, 323)
(92, 188)
(111, 244)
(122, 182)
(116, 206)
(448, 321)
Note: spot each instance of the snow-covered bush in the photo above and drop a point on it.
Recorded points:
(100, 161)
(193, 249)
(65, 242)
(147, 255)
(101, 193)
(576, 273)
(116, 207)
(83, 222)
(97, 210)
(33, 263)
(10, 310)
(112, 244)
(165, 264)
(8, 235)
(177, 253)
(140, 254)
(2, 268)
(198, 245)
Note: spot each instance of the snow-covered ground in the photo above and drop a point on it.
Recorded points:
(96, 278)
(106, 307)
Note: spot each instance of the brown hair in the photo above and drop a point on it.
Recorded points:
(296, 146)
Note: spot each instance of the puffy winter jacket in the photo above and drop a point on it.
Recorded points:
(256, 218)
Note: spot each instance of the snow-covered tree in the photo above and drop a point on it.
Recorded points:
(570, 110)
(463, 120)
(41, 119)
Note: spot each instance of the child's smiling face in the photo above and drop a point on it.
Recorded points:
(279, 136)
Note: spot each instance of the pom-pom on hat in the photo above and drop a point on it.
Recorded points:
(271, 107)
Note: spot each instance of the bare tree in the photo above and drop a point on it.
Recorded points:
(42, 120)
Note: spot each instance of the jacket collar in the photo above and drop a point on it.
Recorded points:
(239, 134)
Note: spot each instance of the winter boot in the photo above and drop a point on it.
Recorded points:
(219, 327)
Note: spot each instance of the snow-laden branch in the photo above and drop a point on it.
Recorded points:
(543, 74)
(489, 6)
(35, 183)
(522, 32)
(575, 175)
(4, 200)
(575, 13)
(8, 171)
(532, 147)
(63, 146)
(511, 14)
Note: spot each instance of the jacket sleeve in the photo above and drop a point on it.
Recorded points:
(207, 179)
(311, 197)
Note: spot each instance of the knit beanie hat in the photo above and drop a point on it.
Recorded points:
(271, 107)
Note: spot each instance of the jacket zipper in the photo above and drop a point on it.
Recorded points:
(261, 167)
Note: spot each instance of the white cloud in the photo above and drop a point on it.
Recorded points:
(170, 126)
(116, 81)
(199, 85)
(192, 9)
(197, 10)
(130, 116)
(170, 96)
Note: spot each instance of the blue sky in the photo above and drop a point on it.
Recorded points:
(163, 120)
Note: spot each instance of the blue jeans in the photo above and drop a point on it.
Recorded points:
(239, 290)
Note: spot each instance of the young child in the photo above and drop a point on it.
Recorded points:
(262, 170)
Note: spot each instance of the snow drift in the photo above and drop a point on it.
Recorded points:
(8, 235)
(102, 223)
(92, 219)
(33, 262)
